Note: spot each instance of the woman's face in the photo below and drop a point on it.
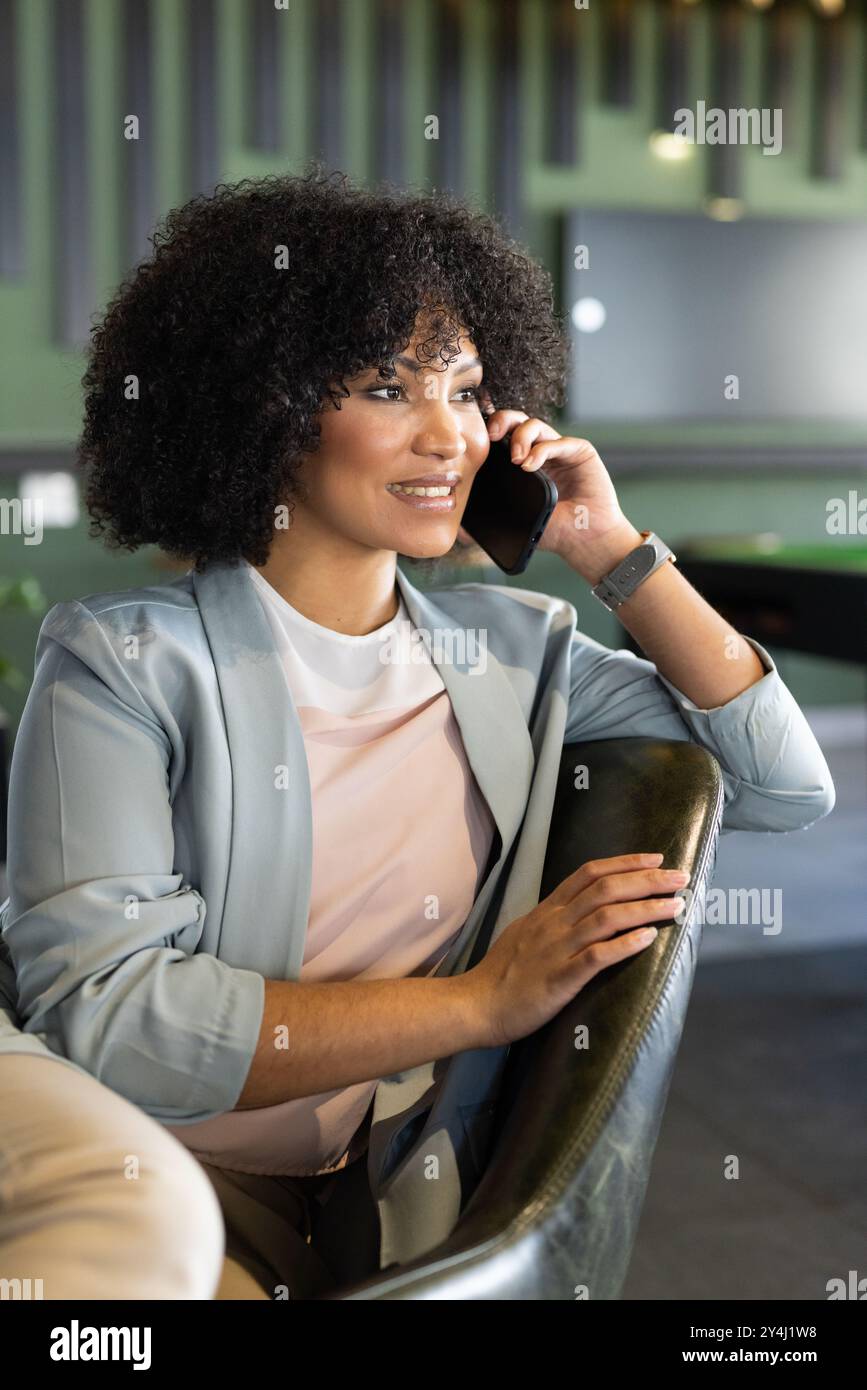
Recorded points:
(426, 420)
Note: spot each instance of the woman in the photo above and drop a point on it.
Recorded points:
(252, 850)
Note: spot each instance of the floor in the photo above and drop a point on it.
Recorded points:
(772, 1072)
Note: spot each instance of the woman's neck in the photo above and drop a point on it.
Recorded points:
(353, 599)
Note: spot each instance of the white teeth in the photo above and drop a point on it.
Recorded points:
(420, 491)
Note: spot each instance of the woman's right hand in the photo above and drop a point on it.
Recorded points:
(542, 960)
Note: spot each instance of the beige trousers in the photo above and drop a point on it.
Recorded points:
(97, 1200)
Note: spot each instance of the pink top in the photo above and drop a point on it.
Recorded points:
(401, 838)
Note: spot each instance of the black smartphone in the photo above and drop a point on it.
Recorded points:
(507, 509)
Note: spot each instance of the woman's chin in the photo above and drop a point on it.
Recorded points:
(426, 547)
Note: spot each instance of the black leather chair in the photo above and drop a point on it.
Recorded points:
(555, 1213)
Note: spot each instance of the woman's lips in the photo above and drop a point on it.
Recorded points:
(423, 503)
(450, 479)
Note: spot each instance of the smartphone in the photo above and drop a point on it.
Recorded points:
(507, 509)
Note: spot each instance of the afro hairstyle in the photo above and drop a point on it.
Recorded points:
(207, 371)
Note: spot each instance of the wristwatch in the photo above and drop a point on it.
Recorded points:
(617, 586)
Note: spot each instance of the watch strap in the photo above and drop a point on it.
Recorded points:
(620, 583)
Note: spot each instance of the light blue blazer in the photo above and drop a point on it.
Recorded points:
(159, 864)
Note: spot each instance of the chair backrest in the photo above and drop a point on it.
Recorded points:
(555, 1213)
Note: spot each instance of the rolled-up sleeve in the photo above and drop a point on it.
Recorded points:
(101, 930)
(774, 773)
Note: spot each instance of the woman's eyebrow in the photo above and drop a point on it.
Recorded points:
(425, 366)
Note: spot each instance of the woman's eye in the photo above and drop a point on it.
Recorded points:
(391, 385)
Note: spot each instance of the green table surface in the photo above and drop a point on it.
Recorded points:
(835, 554)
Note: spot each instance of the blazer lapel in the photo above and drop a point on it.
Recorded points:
(492, 724)
(271, 845)
(494, 733)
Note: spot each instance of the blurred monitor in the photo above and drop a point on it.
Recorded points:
(671, 304)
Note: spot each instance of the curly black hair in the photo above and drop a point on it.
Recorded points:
(207, 371)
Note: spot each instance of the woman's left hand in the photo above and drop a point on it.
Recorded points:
(587, 520)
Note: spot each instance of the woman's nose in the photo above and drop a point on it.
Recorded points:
(439, 433)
